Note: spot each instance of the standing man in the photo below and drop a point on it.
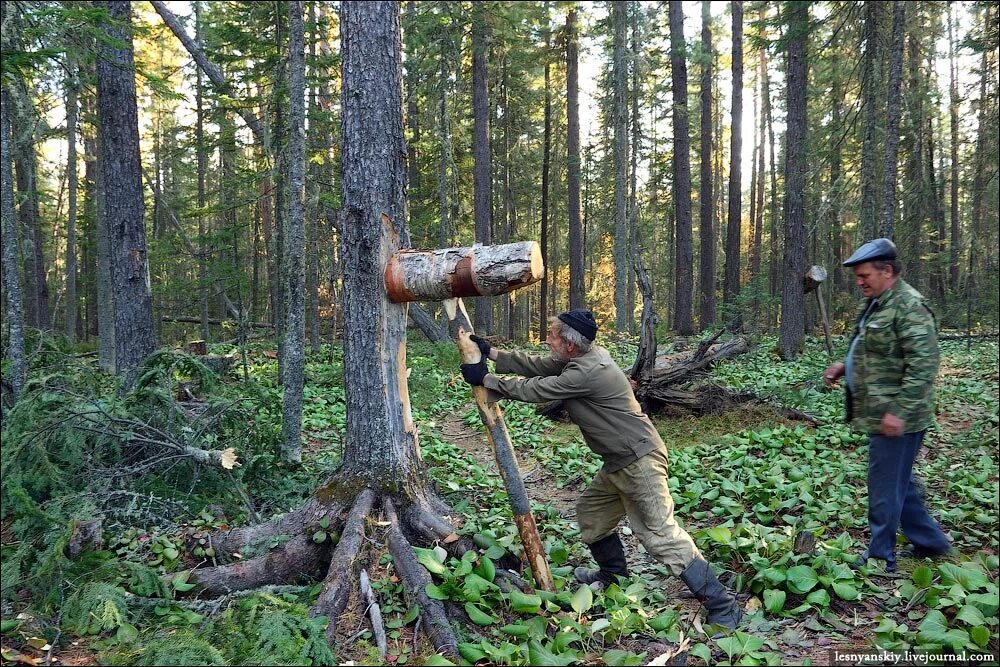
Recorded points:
(889, 372)
(633, 480)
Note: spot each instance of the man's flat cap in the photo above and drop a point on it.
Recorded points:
(873, 250)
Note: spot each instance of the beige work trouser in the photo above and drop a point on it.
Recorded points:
(639, 490)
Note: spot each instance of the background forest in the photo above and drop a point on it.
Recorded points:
(174, 172)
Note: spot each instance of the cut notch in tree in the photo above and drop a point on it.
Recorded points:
(435, 275)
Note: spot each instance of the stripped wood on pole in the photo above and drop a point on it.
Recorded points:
(450, 273)
(499, 439)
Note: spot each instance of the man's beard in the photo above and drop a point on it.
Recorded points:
(558, 356)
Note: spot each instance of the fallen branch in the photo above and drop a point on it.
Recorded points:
(197, 320)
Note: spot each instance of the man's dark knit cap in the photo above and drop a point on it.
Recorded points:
(582, 320)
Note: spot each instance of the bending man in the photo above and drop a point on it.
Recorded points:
(633, 479)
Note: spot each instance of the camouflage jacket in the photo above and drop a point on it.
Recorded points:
(895, 362)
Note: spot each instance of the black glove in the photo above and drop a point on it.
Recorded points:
(474, 373)
(484, 347)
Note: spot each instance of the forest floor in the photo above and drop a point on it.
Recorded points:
(745, 483)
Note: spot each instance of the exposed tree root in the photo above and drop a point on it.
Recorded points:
(236, 540)
(415, 579)
(340, 575)
(299, 557)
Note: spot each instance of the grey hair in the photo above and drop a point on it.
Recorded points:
(894, 264)
(571, 335)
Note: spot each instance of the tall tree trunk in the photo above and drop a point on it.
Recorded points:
(481, 173)
(412, 118)
(202, 154)
(706, 196)
(380, 440)
(576, 244)
(979, 177)
(506, 204)
(885, 227)
(543, 305)
(71, 186)
(619, 23)
(731, 286)
(871, 99)
(13, 294)
(758, 218)
(916, 204)
(123, 204)
(835, 190)
(635, 91)
(775, 240)
(955, 240)
(683, 318)
(445, 160)
(791, 336)
(312, 205)
(293, 261)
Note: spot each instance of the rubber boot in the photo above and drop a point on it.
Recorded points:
(723, 609)
(610, 556)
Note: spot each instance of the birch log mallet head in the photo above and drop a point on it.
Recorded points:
(436, 275)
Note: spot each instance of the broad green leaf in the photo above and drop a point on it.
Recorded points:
(486, 569)
(8, 625)
(475, 586)
(720, 535)
(617, 657)
(429, 559)
(478, 616)
(411, 614)
(170, 553)
(988, 603)
(934, 629)
(437, 660)
(583, 599)
(127, 633)
(980, 635)
(559, 555)
(515, 630)
(802, 579)
(435, 592)
(180, 583)
(523, 603)
(970, 615)
(845, 591)
(471, 652)
(664, 621)
(319, 537)
(922, 576)
(819, 597)
(971, 580)
(774, 600)
(702, 652)
(539, 655)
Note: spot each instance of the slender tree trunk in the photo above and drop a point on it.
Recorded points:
(979, 178)
(619, 23)
(955, 240)
(202, 153)
(706, 197)
(293, 262)
(871, 99)
(71, 185)
(543, 304)
(683, 318)
(312, 207)
(885, 228)
(731, 287)
(445, 160)
(758, 218)
(791, 336)
(13, 295)
(634, 135)
(835, 190)
(775, 240)
(123, 204)
(576, 241)
(481, 174)
(412, 119)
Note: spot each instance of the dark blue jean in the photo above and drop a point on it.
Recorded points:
(894, 499)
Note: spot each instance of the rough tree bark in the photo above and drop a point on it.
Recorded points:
(293, 261)
(576, 292)
(543, 304)
(123, 204)
(481, 172)
(731, 284)
(706, 200)
(683, 317)
(13, 295)
(620, 150)
(791, 336)
(885, 223)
